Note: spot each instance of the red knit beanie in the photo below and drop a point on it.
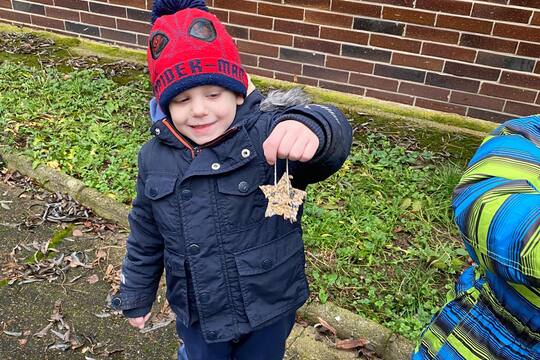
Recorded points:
(189, 47)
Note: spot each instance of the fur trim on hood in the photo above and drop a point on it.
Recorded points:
(278, 99)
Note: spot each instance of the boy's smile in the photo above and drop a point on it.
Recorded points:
(204, 112)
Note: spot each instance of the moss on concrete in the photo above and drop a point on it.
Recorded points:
(55, 241)
(381, 108)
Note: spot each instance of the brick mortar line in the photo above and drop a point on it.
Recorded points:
(108, 4)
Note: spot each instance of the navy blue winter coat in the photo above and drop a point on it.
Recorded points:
(199, 213)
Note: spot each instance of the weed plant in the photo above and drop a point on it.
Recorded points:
(379, 236)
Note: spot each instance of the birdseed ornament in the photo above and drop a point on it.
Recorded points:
(283, 199)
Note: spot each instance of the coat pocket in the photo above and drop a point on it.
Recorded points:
(177, 285)
(272, 277)
(161, 191)
(241, 203)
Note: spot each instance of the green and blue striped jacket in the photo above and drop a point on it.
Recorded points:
(495, 313)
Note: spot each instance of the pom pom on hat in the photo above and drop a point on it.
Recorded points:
(169, 7)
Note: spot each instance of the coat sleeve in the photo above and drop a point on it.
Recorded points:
(143, 264)
(497, 202)
(335, 139)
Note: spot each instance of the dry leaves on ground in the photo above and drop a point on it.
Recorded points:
(64, 334)
(112, 276)
(24, 269)
(164, 317)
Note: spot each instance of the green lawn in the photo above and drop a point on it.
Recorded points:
(379, 235)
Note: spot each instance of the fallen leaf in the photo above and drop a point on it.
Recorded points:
(101, 254)
(4, 205)
(367, 354)
(92, 279)
(327, 326)
(44, 331)
(108, 353)
(62, 347)
(13, 333)
(60, 335)
(74, 261)
(75, 279)
(351, 344)
(102, 315)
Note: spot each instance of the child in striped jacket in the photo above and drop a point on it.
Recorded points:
(495, 313)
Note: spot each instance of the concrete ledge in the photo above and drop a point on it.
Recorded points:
(57, 181)
(302, 345)
(387, 345)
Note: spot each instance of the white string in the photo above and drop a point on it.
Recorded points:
(287, 172)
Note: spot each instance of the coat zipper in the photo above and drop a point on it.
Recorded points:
(195, 150)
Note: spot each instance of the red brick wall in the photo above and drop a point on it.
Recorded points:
(475, 58)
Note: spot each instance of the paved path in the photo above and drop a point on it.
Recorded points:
(57, 307)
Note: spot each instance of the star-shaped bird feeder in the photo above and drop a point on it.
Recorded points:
(283, 199)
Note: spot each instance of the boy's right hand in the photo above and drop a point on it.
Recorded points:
(138, 322)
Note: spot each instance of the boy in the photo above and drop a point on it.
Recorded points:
(234, 277)
(495, 313)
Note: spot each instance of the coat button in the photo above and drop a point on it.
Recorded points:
(215, 166)
(245, 153)
(205, 297)
(194, 249)
(267, 264)
(116, 302)
(186, 194)
(157, 131)
(243, 186)
(212, 335)
(153, 192)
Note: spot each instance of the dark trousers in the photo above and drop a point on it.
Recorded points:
(267, 343)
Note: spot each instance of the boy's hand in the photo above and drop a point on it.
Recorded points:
(138, 322)
(291, 140)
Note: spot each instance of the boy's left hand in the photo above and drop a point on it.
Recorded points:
(291, 140)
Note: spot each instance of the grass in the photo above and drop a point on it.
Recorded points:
(82, 123)
(379, 235)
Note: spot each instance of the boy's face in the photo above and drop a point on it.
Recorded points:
(204, 112)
